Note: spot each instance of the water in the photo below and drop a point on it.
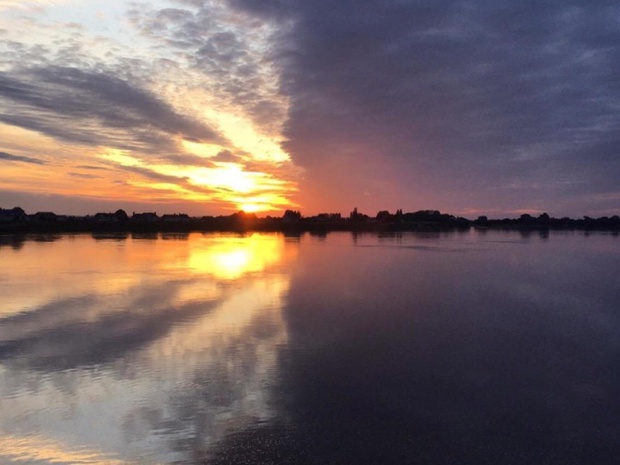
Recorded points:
(451, 348)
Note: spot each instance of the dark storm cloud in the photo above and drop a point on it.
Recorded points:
(452, 90)
(92, 107)
(9, 157)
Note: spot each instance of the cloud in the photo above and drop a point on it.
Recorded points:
(226, 156)
(39, 338)
(21, 4)
(444, 99)
(150, 174)
(228, 50)
(9, 157)
(384, 104)
(143, 88)
(187, 159)
(91, 167)
(94, 107)
(84, 175)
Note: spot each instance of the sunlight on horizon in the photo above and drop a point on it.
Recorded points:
(226, 182)
(202, 145)
(245, 136)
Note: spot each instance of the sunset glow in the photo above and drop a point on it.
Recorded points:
(180, 137)
(209, 107)
(309, 232)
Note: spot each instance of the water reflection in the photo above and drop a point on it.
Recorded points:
(33, 449)
(506, 352)
(165, 346)
(230, 258)
(337, 349)
(402, 351)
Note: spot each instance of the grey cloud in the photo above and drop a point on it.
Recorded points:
(187, 159)
(85, 176)
(443, 93)
(266, 8)
(93, 107)
(194, 3)
(226, 156)
(150, 174)
(222, 49)
(195, 160)
(224, 53)
(19, 158)
(91, 167)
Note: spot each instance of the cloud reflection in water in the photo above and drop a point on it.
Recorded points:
(167, 345)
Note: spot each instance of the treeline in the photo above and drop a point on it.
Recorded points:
(544, 221)
(16, 220)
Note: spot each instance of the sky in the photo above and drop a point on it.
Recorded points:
(207, 107)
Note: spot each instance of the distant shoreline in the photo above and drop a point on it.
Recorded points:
(16, 220)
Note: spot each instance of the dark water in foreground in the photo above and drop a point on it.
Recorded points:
(473, 348)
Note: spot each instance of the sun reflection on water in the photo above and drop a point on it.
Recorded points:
(126, 345)
(232, 257)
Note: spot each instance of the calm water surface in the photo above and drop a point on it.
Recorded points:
(453, 348)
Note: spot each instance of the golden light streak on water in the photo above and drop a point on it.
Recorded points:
(230, 257)
(18, 449)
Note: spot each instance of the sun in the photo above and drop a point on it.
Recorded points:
(252, 207)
